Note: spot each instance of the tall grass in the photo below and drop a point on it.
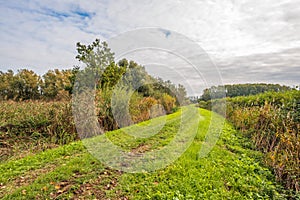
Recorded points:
(33, 126)
(272, 121)
(52, 120)
(38, 125)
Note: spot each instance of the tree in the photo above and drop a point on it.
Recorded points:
(72, 79)
(96, 56)
(99, 75)
(26, 85)
(102, 77)
(55, 83)
(6, 85)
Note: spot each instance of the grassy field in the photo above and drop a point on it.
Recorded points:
(232, 170)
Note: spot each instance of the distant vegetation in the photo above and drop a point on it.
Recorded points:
(58, 84)
(272, 121)
(235, 90)
(27, 85)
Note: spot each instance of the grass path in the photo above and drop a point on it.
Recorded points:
(231, 170)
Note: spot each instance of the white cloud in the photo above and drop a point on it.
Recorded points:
(43, 34)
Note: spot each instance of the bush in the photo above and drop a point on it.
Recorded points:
(168, 102)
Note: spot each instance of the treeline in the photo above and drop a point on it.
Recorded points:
(58, 84)
(150, 97)
(27, 85)
(216, 92)
(272, 121)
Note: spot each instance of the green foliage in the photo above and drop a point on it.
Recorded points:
(27, 85)
(272, 121)
(216, 92)
(96, 55)
(21, 86)
(107, 78)
(101, 73)
(55, 83)
(72, 79)
(7, 85)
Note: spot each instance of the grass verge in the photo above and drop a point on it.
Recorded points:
(232, 170)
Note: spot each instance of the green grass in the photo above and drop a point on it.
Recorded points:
(230, 171)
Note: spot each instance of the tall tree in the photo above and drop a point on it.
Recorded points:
(26, 85)
(6, 85)
(55, 82)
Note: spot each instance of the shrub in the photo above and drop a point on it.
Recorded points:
(168, 102)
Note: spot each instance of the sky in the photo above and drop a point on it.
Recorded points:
(246, 40)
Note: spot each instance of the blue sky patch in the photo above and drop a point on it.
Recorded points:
(83, 14)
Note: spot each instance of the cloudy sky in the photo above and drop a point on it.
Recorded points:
(247, 40)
